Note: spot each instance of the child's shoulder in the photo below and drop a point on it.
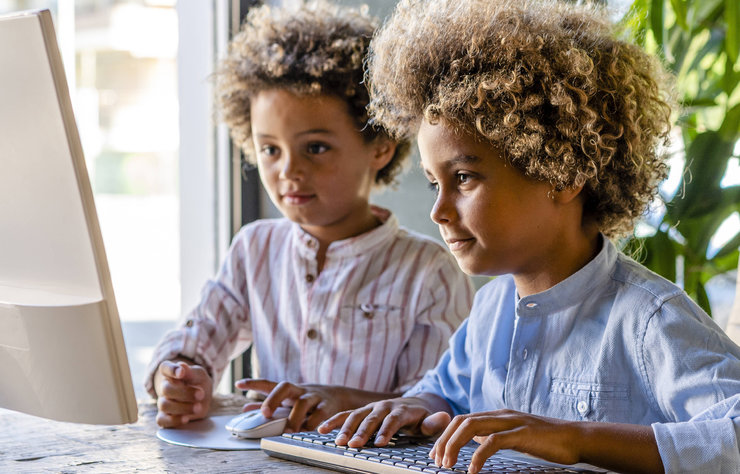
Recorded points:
(640, 279)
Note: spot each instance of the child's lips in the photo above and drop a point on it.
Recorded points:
(297, 199)
(458, 244)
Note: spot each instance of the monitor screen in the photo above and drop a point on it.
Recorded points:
(62, 354)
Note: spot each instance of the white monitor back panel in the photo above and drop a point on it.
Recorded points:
(44, 243)
(62, 353)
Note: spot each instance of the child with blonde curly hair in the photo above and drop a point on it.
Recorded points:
(542, 135)
(342, 306)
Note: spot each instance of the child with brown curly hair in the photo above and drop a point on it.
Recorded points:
(342, 306)
(541, 134)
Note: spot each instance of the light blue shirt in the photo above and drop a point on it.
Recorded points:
(613, 342)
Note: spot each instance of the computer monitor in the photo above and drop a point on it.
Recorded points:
(62, 354)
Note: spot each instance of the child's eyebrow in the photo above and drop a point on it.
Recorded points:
(462, 159)
(314, 130)
(452, 162)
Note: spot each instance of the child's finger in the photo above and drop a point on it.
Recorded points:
(391, 424)
(368, 426)
(440, 446)
(333, 422)
(171, 369)
(435, 423)
(252, 406)
(174, 407)
(258, 385)
(352, 420)
(177, 390)
(278, 395)
(490, 445)
(317, 416)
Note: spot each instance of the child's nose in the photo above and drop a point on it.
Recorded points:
(290, 168)
(442, 210)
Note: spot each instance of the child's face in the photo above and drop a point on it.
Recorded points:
(493, 218)
(314, 163)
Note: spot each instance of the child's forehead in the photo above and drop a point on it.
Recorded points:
(442, 142)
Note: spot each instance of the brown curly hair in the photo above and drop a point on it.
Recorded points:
(316, 48)
(547, 82)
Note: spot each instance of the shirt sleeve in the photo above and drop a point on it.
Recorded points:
(216, 330)
(693, 371)
(449, 297)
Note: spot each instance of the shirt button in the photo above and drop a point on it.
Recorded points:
(309, 278)
(312, 334)
(582, 407)
(532, 305)
(311, 243)
(524, 354)
(367, 314)
(189, 323)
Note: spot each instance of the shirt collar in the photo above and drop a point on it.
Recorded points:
(308, 245)
(575, 288)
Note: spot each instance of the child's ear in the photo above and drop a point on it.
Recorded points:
(384, 151)
(566, 195)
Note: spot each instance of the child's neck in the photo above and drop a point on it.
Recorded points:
(563, 259)
(326, 235)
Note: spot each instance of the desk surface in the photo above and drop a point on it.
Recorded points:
(31, 444)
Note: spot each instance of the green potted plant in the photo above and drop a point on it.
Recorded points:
(699, 41)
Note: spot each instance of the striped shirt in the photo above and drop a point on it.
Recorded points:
(377, 317)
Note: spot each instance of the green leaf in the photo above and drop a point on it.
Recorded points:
(699, 102)
(730, 129)
(702, 299)
(706, 162)
(679, 8)
(656, 21)
(725, 263)
(729, 78)
(706, 13)
(661, 254)
(713, 44)
(732, 38)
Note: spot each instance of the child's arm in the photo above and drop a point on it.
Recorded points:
(615, 446)
(312, 403)
(184, 392)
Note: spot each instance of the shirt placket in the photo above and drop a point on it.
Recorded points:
(523, 357)
(311, 328)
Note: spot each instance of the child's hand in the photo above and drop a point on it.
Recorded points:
(184, 393)
(548, 438)
(311, 404)
(425, 415)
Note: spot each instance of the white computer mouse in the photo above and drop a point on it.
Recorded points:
(253, 424)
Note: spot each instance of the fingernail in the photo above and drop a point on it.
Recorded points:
(341, 438)
(178, 372)
(199, 395)
(185, 419)
(197, 407)
(379, 439)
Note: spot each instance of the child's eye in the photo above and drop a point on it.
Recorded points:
(462, 178)
(317, 148)
(434, 187)
(268, 150)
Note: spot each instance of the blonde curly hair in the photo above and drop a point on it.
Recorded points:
(314, 48)
(547, 82)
